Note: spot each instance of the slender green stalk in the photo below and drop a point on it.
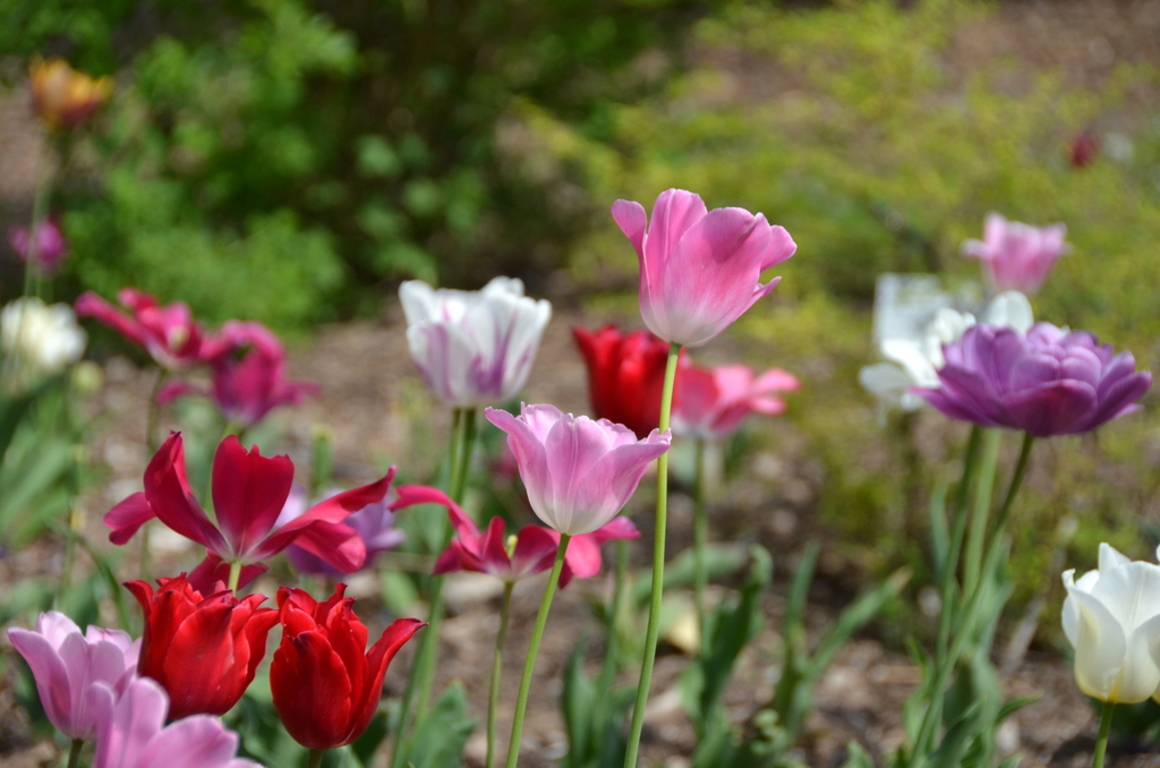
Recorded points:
(951, 566)
(497, 671)
(39, 204)
(151, 444)
(700, 524)
(513, 756)
(74, 753)
(615, 608)
(1102, 740)
(315, 759)
(984, 486)
(658, 575)
(235, 576)
(1013, 488)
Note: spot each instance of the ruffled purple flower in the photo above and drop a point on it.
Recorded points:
(1047, 382)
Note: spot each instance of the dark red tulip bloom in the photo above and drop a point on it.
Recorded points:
(326, 685)
(168, 333)
(626, 373)
(202, 650)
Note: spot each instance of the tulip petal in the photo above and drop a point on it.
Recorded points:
(311, 691)
(249, 491)
(127, 517)
(1061, 407)
(167, 491)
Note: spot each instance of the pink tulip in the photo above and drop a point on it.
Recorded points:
(50, 246)
(168, 333)
(532, 552)
(130, 732)
(712, 403)
(699, 269)
(65, 662)
(249, 492)
(578, 473)
(1015, 256)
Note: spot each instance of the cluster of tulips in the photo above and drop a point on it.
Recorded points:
(700, 270)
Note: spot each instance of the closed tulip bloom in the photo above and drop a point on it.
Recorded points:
(699, 269)
(527, 553)
(325, 683)
(1016, 256)
(203, 651)
(65, 661)
(713, 403)
(1112, 619)
(473, 348)
(63, 97)
(168, 333)
(249, 494)
(578, 473)
(1045, 382)
(131, 732)
(44, 251)
(626, 374)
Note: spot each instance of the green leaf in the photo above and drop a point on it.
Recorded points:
(857, 757)
(439, 736)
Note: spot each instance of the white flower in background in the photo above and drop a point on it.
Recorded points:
(915, 362)
(1112, 619)
(473, 348)
(43, 340)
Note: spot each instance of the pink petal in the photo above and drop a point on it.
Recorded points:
(127, 517)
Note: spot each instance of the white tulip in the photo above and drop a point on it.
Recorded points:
(1112, 619)
(42, 340)
(474, 348)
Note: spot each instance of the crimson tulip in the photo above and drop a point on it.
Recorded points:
(168, 333)
(325, 684)
(202, 650)
(626, 373)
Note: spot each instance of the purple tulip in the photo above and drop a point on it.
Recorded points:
(64, 663)
(578, 473)
(130, 732)
(1047, 382)
(1015, 256)
(48, 250)
(699, 269)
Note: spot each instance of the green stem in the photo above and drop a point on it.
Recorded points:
(1013, 488)
(658, 575)
(151, 441)
(533, 649)
(984, 486)
(616, 607)
(700, 524)
(39, 203)
(74, 753)
(497, 671)
(315, 759)
(951, 566)
(235, 576)
(1102, 739)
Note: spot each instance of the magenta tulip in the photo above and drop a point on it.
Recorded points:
(578, 473)
(47, 249)
(713, 403)
(168, 333)
(1015, 256)
(699, 269)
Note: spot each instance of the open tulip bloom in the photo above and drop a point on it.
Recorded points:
(65, 662)
(64, 97)
(626, 375)
(168, 333)
(699, 269)
(713, 403)
(249, 492)
(1046, 382)
(473, 348)
(44, 250)
(579, 473)
(1017, 256)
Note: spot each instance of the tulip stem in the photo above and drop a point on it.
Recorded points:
(658, 572)
(699, 534)
(533, 649)
(1102, 739)
(39, 203)
(984, 487)
(612, 642)
(315, 758)
(74, 753)
(951, 564)
(235, 576)
(1016, 484)
(497, 671)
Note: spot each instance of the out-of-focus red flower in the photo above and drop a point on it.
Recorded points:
(714, 402)
(202, 650)
(1084, 149)
(63, 97)
(326, 685)
(168, 333)
(626, 373)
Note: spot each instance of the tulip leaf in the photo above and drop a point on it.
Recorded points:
(857, 757)
(593, 718)
(438, 737)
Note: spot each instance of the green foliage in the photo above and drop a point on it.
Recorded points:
(439, 736)
(593, 717)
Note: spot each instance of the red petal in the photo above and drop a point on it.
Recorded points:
(249, 491)
(311, 691)
(128, 516)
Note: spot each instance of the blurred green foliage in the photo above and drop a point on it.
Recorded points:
(284, 159)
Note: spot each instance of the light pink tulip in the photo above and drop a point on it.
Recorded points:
(1015, 256)
(712, 403)
(578, 473)
(699, 269)
(130, 732)
(65, 662)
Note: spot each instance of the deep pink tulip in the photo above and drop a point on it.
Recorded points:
(578, 473)
(50, 246)
(1047, 382)
(168, 333)
(699, 269)
(1016, 256)
(249, 492)
(130, 732)
(65, 662)
(712, 403)
(532, 552)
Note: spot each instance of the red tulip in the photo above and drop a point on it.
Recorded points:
(626, 373)
(168, 333)
(326, 685)
(202, 650)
